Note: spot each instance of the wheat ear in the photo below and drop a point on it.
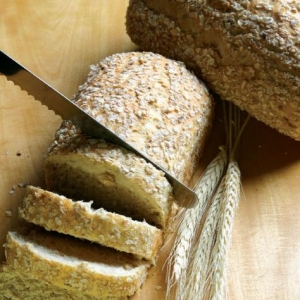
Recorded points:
(195, 285)
(229, 204)
(179, 256)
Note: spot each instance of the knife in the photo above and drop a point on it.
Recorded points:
(68, 110)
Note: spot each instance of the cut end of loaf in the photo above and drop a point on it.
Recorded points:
(82, 168)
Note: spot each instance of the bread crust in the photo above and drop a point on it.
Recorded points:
(17, 286)
(58, 213)
(73, 265)
(245, 51)
(153, 103)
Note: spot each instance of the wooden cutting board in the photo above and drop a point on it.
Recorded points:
(58, 40)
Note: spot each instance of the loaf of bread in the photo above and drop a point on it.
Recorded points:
(60, 214)
(153, 103)
(245, 51)
(73, 265)
(99, 192)
(82, 168)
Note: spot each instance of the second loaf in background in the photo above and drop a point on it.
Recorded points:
(246, 51)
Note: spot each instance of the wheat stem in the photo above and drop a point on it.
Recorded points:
(177, 261)
(233, 152)
(196, 275)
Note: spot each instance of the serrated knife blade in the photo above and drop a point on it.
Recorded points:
(68, 110)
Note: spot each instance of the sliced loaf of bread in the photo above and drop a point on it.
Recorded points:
(79, 219)
(159, 107)
(74, 265)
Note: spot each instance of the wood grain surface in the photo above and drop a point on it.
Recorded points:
(58, 40)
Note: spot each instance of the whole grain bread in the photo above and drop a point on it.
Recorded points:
(161, 108)
(245, 51)
(79, 219)
(73, 265)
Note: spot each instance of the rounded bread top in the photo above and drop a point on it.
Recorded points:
(151, 102)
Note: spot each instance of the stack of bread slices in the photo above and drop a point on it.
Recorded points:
(99, 224)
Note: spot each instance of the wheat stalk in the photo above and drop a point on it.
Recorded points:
(194, 287)
(229, 204)
(216, 273)
(199, 266)
(230, 200)
(177, 261)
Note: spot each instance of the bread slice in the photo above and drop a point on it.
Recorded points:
(58, 213)
(246, 51)
(74, 265)
(18, 286)
(79, 167)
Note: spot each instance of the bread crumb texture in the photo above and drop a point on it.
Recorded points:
(69, 264)
(79, 219)
(153, 103)
(246, 51)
